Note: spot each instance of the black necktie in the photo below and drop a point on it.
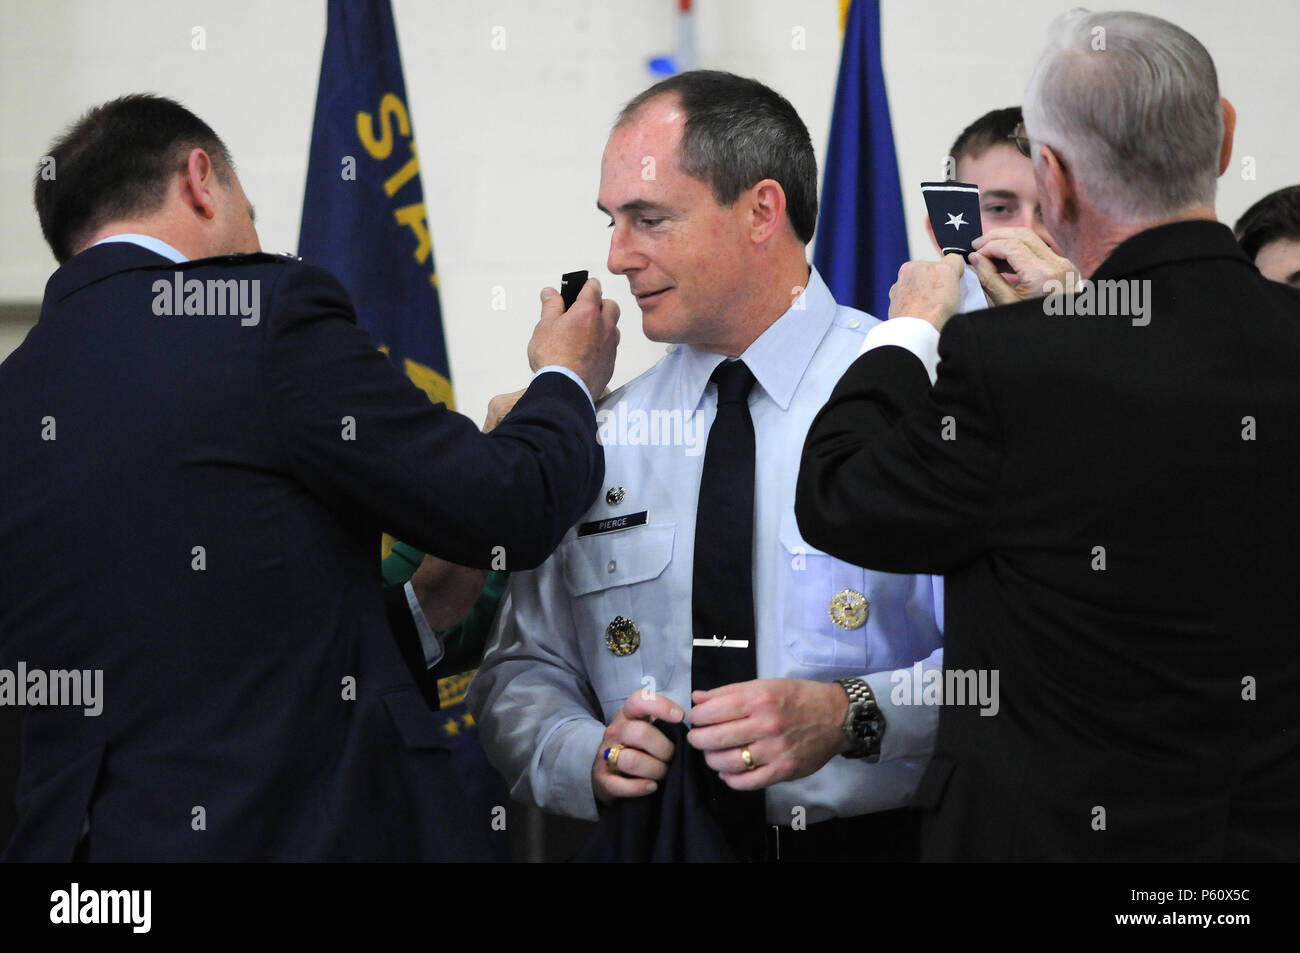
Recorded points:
(722, 589)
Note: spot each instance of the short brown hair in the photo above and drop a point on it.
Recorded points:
(115, 162)
(994, 128)
(739, 132)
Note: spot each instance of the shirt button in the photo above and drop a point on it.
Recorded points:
(854, 323)
(612, 566)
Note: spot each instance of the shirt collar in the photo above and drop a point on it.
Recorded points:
(146, 241)
(780, 355)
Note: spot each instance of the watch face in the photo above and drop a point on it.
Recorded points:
(867, 723)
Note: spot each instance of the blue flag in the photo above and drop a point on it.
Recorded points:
(363, 216)
(862, 239)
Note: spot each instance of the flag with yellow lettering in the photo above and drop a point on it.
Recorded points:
(363, 216)
(364, 219)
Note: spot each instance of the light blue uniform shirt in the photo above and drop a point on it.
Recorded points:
(549, 684)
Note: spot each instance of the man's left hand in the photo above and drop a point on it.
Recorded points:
(1032, 263)
(791, 726)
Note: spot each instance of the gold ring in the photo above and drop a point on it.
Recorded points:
(611, 756)
(749, 759)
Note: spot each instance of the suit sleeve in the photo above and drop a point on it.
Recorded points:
(898, 476)
(369, 443)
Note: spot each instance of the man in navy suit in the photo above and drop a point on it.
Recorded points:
(201, 451)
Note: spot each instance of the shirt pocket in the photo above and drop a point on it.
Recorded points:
(617, 574)
(810, 579)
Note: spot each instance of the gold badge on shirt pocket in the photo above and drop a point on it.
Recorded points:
(622, 636)
(849, 609)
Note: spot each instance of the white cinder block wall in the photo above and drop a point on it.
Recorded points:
(510, 139)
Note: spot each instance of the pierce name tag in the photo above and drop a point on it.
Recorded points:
(954, 209)
(611, 524)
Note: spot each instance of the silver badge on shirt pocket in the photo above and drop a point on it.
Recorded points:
(622, 636)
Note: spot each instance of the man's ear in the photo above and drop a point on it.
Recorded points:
(1229, 127)
(200, 182)
(1057, 190)
(766, 206)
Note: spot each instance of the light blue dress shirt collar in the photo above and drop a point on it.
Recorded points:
(781, 354)
(146, 241)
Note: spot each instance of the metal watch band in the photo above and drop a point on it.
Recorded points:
(864, 725)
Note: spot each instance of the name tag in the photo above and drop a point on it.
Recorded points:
(612, 524)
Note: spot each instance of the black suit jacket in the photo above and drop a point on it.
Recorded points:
(256, 704)
(1148, 701)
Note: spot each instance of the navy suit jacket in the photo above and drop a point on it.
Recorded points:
(256, 704)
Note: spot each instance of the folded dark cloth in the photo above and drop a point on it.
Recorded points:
(673, 825)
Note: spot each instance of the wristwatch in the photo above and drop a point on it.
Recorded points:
(864, 725)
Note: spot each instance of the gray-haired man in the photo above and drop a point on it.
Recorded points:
(1106, 480)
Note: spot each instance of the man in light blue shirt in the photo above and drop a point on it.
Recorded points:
(710, 184)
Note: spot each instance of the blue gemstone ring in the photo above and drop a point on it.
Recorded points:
(610, 756)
